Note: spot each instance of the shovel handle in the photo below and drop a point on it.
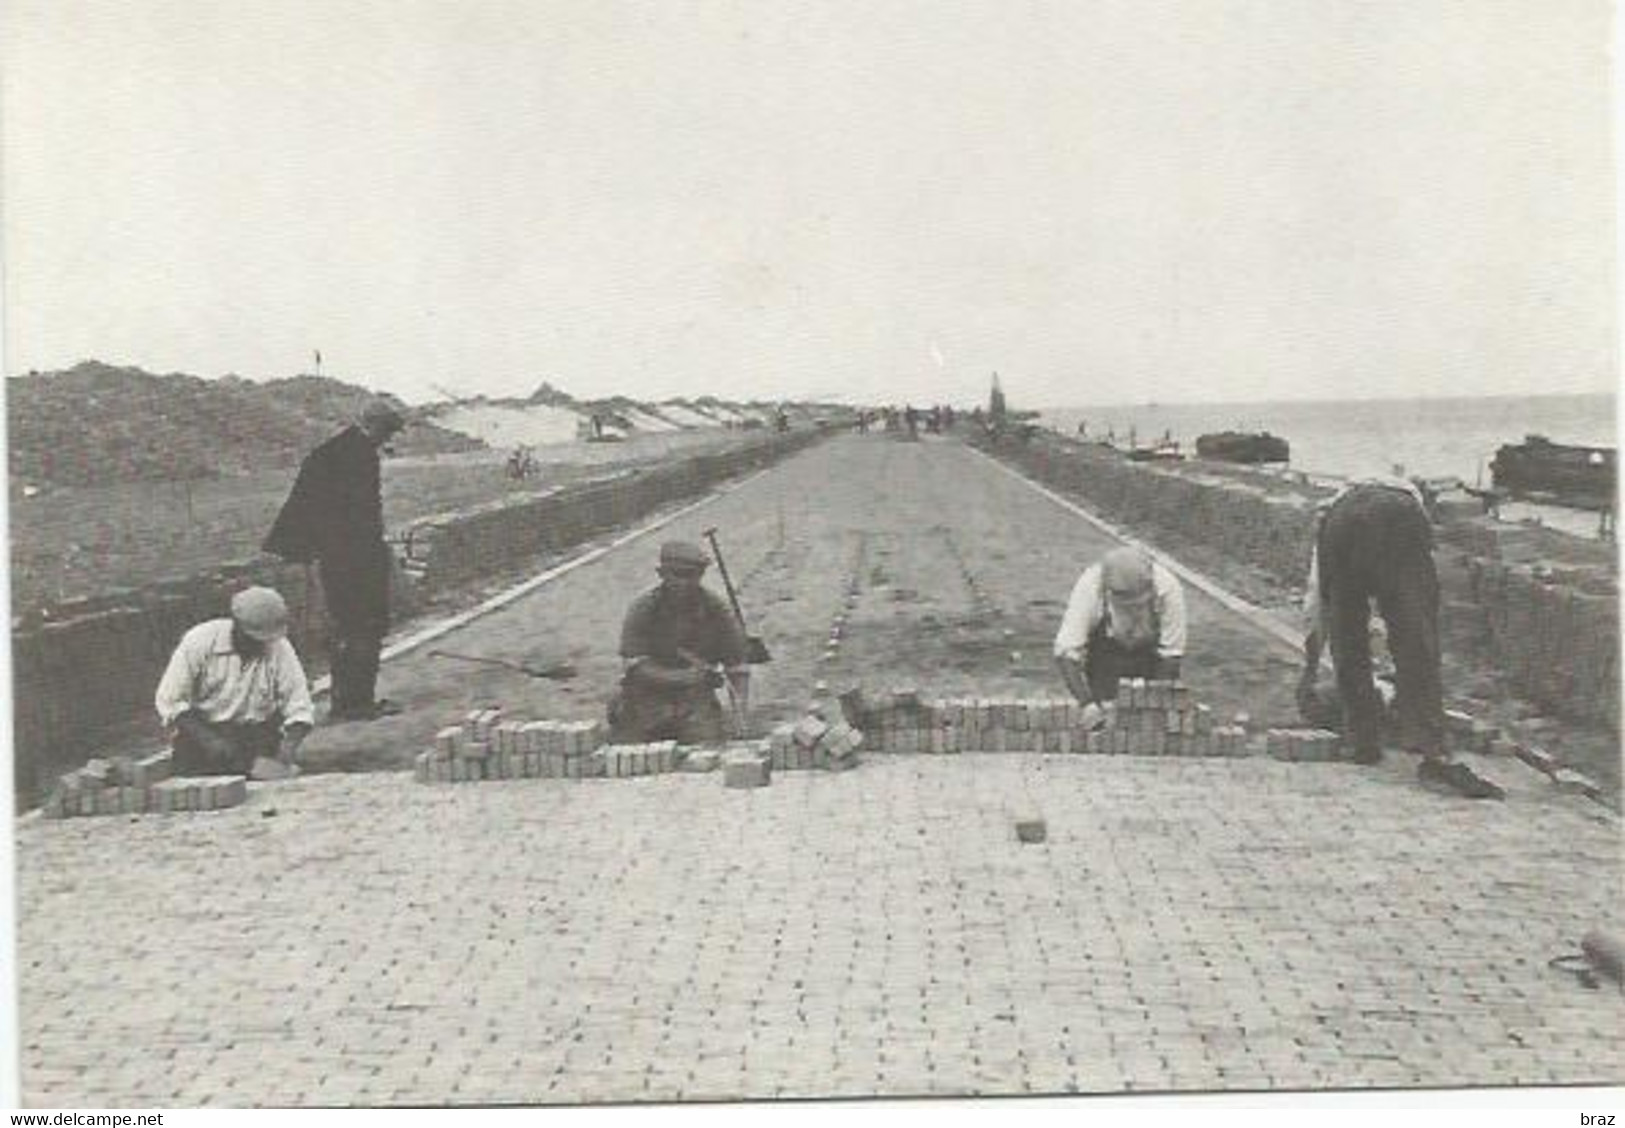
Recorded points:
(727, 581)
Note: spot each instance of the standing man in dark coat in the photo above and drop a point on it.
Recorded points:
(334, 517)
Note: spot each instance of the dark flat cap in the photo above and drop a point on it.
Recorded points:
(684, 556)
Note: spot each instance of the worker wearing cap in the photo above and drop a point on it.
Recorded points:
(1125, 619)
(334, 517)
(234, 690)
(1374, 542)
(679, 644)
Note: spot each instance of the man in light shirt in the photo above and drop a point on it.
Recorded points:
(1125, 619)
(235, 690)
(1375, 543)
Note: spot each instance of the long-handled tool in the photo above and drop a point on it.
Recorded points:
(755, 649)
(558, 671)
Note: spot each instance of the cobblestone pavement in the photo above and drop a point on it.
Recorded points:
(1188, 925)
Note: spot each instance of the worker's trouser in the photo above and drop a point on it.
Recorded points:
(1109, 661)
(640, 717)
(1376, 543)
(207, 748)
(355, 660)
(356, 587)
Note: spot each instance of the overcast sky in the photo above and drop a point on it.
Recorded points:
(1102, 200)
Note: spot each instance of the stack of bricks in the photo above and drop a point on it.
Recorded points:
(747, 769)
(197, 793)
(1303, 745)
(1161, 718)
(623, 761)
(131, 787)
(1149, 718)
(489, 746)
(813, 742)
(485, 746)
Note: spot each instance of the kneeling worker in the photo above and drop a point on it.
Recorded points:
(1125, 619)
(1375, 542)
(679, 644)
(235, 690)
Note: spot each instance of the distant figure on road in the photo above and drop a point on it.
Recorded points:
(1125, 619)
(334, 516)
(234, 690)
(679, 644)
(1374, 542)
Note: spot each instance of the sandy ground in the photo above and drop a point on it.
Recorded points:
(1189, 925)
(70, 542)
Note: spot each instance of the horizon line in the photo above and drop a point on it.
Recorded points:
(1147, 404)
(846, 398)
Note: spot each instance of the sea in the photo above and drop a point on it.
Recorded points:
(1436, 438)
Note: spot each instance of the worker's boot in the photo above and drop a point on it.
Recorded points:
(1454, 777)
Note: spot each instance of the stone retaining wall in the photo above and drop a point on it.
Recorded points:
(1556, 642)
(1271, 529)
(92, 671)
(448, 552)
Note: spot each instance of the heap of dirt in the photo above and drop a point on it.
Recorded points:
(97, 424)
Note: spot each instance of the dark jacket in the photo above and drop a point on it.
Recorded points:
(334, 515)
(335, 509)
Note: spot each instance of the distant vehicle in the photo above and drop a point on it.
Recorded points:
(1245, 447)
(522, 464)
(1584, 477)
(1161, 452)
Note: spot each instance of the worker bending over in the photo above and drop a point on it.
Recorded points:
(1375, 542)
(1125, 619)
(234, 690)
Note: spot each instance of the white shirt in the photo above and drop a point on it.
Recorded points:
(1311, 596)
(206, 675)
(1087, 607)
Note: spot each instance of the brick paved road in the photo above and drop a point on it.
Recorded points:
(1188, 924)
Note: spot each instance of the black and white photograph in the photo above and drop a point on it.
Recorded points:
(657, 553)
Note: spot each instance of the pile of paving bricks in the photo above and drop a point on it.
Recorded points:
(1298, 745)
(487, 746)
(126, 786)
(813, 742)
(1149, 718)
